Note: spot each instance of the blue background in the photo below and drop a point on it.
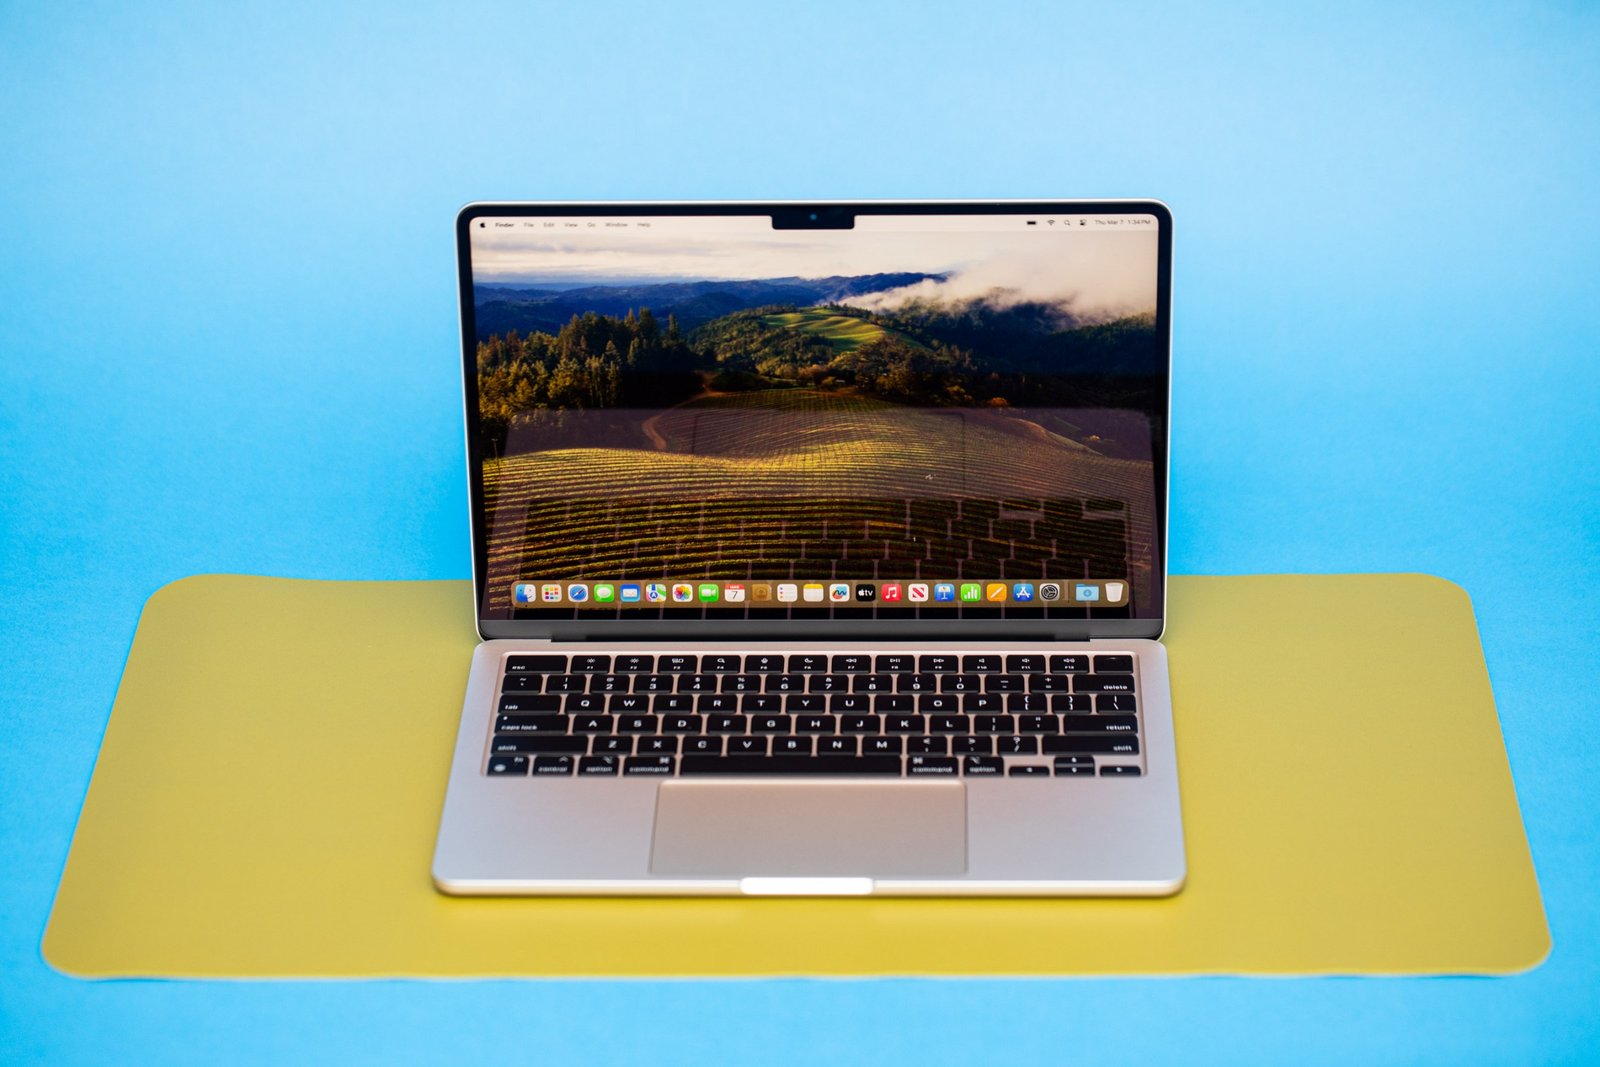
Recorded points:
(227, 343)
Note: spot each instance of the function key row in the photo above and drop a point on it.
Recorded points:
(818, 663)
(519, 684)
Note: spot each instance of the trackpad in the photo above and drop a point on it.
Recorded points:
(810, 829)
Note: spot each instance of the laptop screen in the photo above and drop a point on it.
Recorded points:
(958, 414)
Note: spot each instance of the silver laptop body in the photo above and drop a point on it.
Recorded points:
(819, 549)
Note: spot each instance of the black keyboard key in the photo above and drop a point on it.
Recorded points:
(1039, 724)
(628, 704)
(522, 683)
(770, 724)
(726, 724)
(610, 683)
(741, 683)
(763, 664)
(899, 663)
(552, 765)
(873, 683)
(1026, 664)
(720, 664)
(1074, 772)
(760, 703)
(881, 746)
(984, 703)
(506, 766)
(1119, 770)
(918, 683)
(1102, 724)
(836, 746)
(715, 702)
(1074, 761)
(1005, 683)
(931, 766)
(972, 746)
(808, 663)
(791, 746)
(938, 664)
(950, 724)
(566, 683)
(1069, 703)
(1103, 744)
(655, 683)
(612, 745)
(667, 703)
(1116, 702)
(698, 683)
(681, 724)
(585, 703)
(506, 744)
(702, 746)
(809, 765)
(904, 724)
(592, 724)
(830, 683)
(747, 746)
(1017, 745)
(786, 683)
(960, 683)
(638, 724)
(815, 724)
(928, 746)
(1049, 683)
(1103, 683)
(859, 724)
(591, 664)
(1027, 703)
(936, 703)
(655, 746)
(806, 703)
(995, 724)
(531, 724)
(536, 664)
(1029, 770)
(849, 703)
(656, 765)
(1069, 664)
(634, 664)
(678, 664)
(529, 704)
(983, 766)
(884, 703)
(851, 664)
(1113, 665)
(980, 663)
(598, 767)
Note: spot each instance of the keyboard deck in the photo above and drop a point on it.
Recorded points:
(892, 714)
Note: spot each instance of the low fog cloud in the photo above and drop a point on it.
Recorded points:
(1088, 278)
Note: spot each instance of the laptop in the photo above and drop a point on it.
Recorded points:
(818, 549)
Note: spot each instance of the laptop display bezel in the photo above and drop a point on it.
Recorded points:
(822, 215)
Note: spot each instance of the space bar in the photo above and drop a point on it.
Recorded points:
(790, 765)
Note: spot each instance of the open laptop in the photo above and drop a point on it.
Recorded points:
(818, 549)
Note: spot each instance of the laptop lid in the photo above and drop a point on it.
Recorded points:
(794, 420)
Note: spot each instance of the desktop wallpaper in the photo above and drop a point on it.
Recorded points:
(658, 400)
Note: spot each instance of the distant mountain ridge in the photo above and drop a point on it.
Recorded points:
(500, 308)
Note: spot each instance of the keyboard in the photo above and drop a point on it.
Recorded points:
(882, 714)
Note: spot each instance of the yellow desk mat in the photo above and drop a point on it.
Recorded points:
(268, 789)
